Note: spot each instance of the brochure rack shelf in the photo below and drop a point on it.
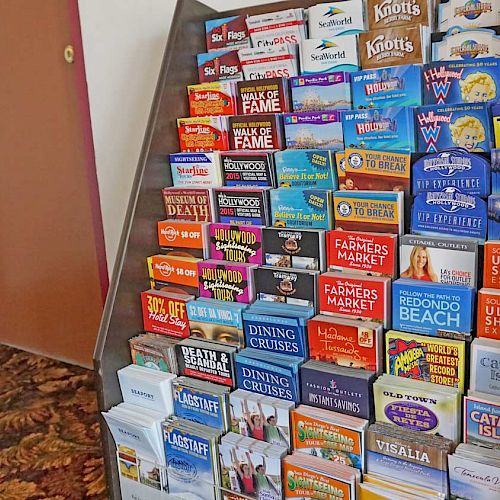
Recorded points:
(122, 318)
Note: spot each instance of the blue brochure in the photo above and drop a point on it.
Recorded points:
(274, 334)
(387, 87)
(301, 208)
(215, 311)
(449, 212)
(495, 169)
(494, 217)
(190, 463)
(426, 307)
(471, 80)
(337, 388)
(442, 126)
(321, 92)
(382, 128)
(280, 380)
(456, 168)
(198, 406)
(301, 313)
(305, 168)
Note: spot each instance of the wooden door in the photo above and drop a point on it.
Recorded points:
(53, 275)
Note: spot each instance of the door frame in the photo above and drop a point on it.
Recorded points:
(86, 127)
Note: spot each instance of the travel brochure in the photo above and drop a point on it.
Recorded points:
(323, 312)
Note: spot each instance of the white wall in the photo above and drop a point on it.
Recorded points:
(123, 43)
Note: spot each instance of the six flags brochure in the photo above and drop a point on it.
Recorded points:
(318, 325)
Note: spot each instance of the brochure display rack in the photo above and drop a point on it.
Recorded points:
(122, 317)
(317, 207)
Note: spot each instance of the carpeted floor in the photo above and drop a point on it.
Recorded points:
(49, 435)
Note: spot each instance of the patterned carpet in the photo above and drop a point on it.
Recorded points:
(49, 435)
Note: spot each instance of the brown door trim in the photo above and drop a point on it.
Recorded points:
(86, 126)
